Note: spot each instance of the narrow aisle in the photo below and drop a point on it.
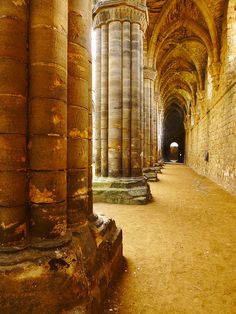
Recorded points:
(180, 249)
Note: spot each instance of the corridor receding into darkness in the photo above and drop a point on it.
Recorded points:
(179, 249)
(96, 97)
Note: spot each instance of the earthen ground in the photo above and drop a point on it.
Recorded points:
(180, 249)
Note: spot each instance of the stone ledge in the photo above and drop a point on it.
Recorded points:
(128, 191)
(70, 279)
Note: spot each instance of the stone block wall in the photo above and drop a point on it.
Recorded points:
(215, 131)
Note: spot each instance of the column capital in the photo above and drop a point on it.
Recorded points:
(133, 11)
(149, 73)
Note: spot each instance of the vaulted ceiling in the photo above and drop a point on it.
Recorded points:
(182, 39)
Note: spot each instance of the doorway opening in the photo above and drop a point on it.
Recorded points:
(174, 151)
(173, 145)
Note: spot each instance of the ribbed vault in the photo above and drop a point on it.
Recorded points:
(183, 39)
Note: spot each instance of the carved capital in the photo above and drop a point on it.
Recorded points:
(149, 73)
(120, 10)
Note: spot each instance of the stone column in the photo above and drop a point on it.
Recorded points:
(119, 28)
(155, 138)
(150, 125)
(78, 114)
(126, 126)
(160, 116)
(149, 117)
(142, 100)
(13, 126)
(58, 256)
(160, 119)
(97, 135)
(115, 100)
(48, 125)
(136, 100)
(104, 100)
(147, 124)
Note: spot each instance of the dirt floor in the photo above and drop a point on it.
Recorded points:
(180, 249)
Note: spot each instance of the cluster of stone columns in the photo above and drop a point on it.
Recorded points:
(119, 94)
(46, 159)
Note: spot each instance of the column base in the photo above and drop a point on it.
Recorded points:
(131, 191)
(159, 166)
(69, 279)
(151, 174)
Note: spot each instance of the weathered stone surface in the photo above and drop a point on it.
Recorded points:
(55, 255)
(66, 279)
(151, 174)
(121, 190)
(119, 93)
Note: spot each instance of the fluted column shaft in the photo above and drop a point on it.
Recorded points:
(147, 124)
(115, 100)
(98, 103)
(135, 101)
(119, 89)
(150, 119)
(154, 125)
(160, 117)
(126, 125)
(142, 99)
(104, 100)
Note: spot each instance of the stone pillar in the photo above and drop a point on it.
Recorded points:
(150, 120)
(78, 114)
(155, 130)
(58, 256)
(13, 126)
(160, 117)
(150, 126)
(104, 100)
(119, 68)
(142, 99)
(97, 135)
(147, 124)
(126, 126)
(115, 100)
(47, 123)
(160, 132)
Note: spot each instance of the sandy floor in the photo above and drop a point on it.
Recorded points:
(180, 250)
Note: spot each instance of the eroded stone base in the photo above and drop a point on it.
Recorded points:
(70, 279)
(121, 190)
(151, 174)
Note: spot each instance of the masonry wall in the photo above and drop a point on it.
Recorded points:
(215, 131)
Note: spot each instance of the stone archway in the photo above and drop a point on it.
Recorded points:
(173, 131)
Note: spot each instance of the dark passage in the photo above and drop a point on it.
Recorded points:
(173, 131)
